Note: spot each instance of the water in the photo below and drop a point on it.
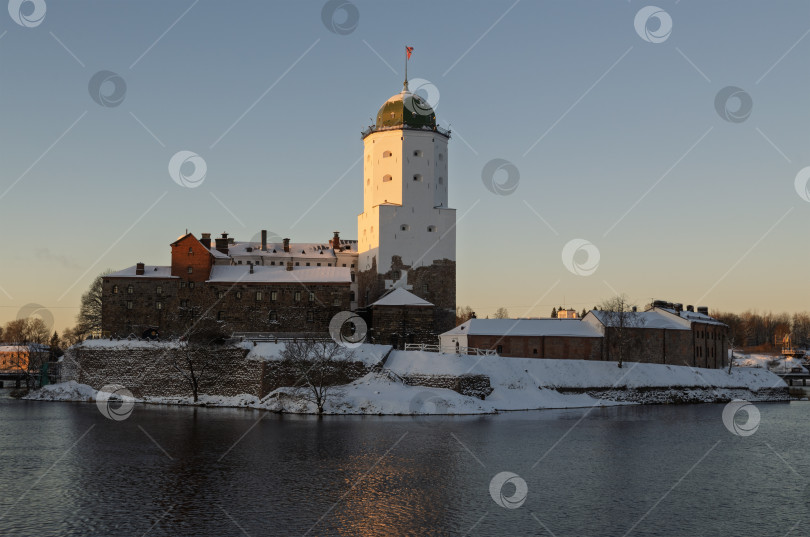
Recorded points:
(173, 471)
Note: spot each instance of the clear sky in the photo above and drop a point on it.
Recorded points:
(613, 128)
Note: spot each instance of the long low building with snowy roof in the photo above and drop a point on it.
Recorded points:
(658, 335)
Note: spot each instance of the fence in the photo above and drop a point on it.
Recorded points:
(450, 350)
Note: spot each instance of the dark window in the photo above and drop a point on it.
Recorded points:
(312, 297)
(307, 264)
(352, 276)
(534, 351)
(310, 316)
(182, 285)
(424, 288)
(220, 315)
(191, 285)
(499, 350)
(351, 296)
(273, 317)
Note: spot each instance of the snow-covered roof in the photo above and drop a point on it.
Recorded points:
(149, 271)
(219, 255)
(274, 249)
(643, 319)
(279, 274)
(525, 327)
(694, 317)
(401, 297)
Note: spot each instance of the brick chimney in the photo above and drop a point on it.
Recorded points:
(264, 240)
(289, 265)
(206, 240)
(222, 243)
(139, 269)
(336, 241)
(287, 246)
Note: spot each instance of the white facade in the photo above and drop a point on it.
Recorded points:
(405, 210)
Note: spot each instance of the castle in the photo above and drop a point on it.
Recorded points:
(400, 274)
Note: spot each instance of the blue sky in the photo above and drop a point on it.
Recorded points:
(617, 141)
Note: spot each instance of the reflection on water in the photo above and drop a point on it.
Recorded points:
(173, 471)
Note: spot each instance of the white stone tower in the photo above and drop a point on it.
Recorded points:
(406, 233)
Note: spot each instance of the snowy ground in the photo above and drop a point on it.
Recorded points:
(518, 384)
(777, 364)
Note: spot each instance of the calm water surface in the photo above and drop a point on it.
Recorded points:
(173, 471)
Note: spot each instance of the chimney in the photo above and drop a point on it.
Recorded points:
(690, 307)
(139, 268)
(251, 268)
(206, 240)
(635, 309)
(678, 307)
(222, 243)
(289, 265)
(703, 309)
(336, 241)
(287, 245)
(264, 240)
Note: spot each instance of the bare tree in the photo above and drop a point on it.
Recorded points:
(620, 320)
(197, 359)
(731, 339)
(464, 314)
(89, 319)
(29, 336)
(319, 368)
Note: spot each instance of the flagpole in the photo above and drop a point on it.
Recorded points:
(406, 67)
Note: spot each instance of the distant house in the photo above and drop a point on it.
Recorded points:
(567, 314)
(528, 338)
(16, 358)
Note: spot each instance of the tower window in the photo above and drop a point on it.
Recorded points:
(431, 229)
(404, 227)
(387, 178)
(441, 156)
(441, 180)
(386, 154)
(417, 153)
(417, 177)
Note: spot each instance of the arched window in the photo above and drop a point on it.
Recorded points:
(386, 154)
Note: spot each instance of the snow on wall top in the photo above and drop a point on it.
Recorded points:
(149, 271)
(366, 353)
(401, 297)
(695, 317)
(525, 327)
(279, 274)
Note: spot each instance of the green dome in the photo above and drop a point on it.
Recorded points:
(406, 110)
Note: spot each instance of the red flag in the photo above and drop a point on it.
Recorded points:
(409, 50)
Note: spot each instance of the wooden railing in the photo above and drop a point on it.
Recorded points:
(449, 350)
